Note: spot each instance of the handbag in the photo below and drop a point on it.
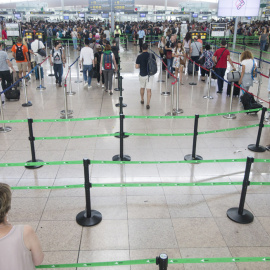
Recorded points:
(233, 76)
(161, 50)
(169, 54)
(182, 62)
(42, 52)
(202, 61)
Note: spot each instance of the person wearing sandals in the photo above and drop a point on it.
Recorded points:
(107, 67)
(208, 63)
(179, 60)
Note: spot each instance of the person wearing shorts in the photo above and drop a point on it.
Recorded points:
(146, 81)
(21, 64)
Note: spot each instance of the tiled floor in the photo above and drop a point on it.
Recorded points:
(138, 222)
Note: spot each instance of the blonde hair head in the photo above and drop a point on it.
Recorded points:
(5, 201)
(246, 55)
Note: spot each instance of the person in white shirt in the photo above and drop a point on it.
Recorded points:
(107, 33)
(88, 61)
(35, 46)
(248, 66)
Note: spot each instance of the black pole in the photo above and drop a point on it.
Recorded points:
(193, 156)
(120, 88)
(241, 215)
(88, 217)
(162, 261)
(244, 42)
(121, 156)
(257, 147)
(32, 146)
(260, 60)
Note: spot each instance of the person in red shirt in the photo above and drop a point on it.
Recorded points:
(22, 62)
(220, 58)
(4, 35)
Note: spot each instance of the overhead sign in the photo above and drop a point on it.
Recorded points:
(238, 8)
(115, 5)
(3, 12)
(180, 13)
(69, 12)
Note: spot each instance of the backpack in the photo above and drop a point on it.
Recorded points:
(60, 34)
(249, 102)
(19, 53)
(151, 65)
(107, 61)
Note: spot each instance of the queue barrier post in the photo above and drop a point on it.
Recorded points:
(230, 116)
(68, 52)
(121, 156)
(51, 74)
(209, 86)
(160, 72)
(66, 113)
(4, 128)
(78, 72)
(193, 75)
(32, 145)
(166, 93)
(118, 76)
(172, 112)
(162, 261)
(27, 103)
(120, 80)
(70, 92)
(178, 110)
(88, 217)
(193, 156)
(259, 88)
(40, 87)
(239, 214)
(257, 147)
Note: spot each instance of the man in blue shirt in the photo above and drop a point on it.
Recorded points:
(141, 34)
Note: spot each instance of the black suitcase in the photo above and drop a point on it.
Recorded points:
(13, 93)
(190, 68)
(266, 47)
(236, 90)
(249, 102)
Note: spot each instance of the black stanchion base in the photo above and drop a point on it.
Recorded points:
(118, 136)
(34, 167)
(189, 157)
(246, 218)
(28, 104)
(95, 218)
(254, 148)
(118, 158)
(117, 89)
(192, 83)
(118, 105)
(50, 75)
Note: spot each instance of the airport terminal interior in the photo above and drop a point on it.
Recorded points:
(185, 171)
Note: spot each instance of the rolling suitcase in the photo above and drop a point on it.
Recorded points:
(236, 90)
(190, 68)
(13, 93)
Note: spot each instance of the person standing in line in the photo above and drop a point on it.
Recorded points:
(179, 60)
(115, 50)
(146, 81)
(195, 51)
(141, 35)
(170, 45)
(263, 39)
(220, 58)
(117, 34)
(88, 61)
(58, 60)
(4, 36)
(97, 65)
(208, 63)
(267, 114)
(5, 64)
(74, 36)
(19, 245)
(20, 53)
(107, 67)
(35, 46)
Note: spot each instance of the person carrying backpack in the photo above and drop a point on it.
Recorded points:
(107, 67)
(58, 60)
(19, 52)
(146, 62)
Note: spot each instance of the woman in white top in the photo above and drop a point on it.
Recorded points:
(187, 43)
(74, 36)
(179, 60)
(20, 248)
(248, 66)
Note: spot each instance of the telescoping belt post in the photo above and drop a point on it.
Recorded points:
(4, 128)
(209, 86)
(78, 72)
(40, 87)
(27, 103)
(257, 147)
(230, 115)
(172, 112)
(162, 261)
(66, 113)
(193, 75)
(120, 83)
(70, 92)
(239, 214)
(193, 156)
(32, 145)
(88, 217)
(160, 72)
(166, 93)
(178, 110)
(259, 88)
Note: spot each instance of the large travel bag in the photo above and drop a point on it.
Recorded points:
(249, 102)
(236, 90)
(13, 93)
